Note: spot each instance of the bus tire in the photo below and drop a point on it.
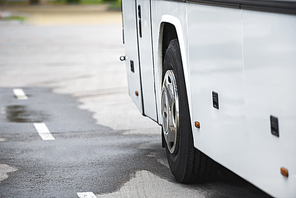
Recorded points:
(186, 163)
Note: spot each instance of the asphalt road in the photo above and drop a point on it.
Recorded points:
(101, 144)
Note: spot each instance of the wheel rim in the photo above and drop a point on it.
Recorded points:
(170, 111)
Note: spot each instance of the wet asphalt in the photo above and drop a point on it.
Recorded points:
(83, 157)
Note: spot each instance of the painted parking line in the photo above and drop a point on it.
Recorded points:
(43, 131)
(86, 195)
(20, 94)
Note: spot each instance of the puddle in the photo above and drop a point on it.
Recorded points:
(22, 114)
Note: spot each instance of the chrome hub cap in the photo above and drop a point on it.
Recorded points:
(170, 111)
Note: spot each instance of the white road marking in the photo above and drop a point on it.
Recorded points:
(43, 131)
(20, 94)
(2, 110)
(86, 195)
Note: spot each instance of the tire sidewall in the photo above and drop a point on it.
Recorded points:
(178, 161)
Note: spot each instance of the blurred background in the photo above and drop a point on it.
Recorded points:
(61, 12)
(115, 3)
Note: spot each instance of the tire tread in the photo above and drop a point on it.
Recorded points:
(198, 166)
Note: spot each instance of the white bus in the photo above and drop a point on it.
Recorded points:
(219, 76)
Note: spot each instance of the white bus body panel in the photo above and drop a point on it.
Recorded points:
(215, 56)
(249, 59)
(270, 80)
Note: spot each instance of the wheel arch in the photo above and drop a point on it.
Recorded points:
(171, 28)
